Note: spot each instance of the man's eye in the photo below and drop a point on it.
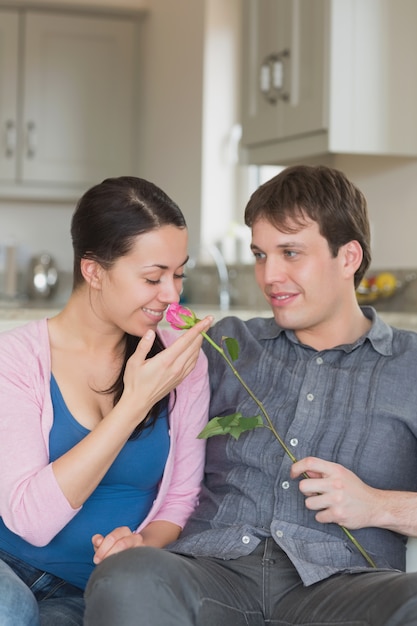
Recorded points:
(259, 255)
(290, 253)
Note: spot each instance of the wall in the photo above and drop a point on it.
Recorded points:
(390, 186)
(171, 103)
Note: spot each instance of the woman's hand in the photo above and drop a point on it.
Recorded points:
(119, 539)
(146, 381)
(157, 534)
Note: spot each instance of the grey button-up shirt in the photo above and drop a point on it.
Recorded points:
(354, 404)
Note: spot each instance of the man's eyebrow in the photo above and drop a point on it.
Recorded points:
(285, 244)
(292, 244)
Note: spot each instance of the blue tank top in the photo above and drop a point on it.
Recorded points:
(123, 498)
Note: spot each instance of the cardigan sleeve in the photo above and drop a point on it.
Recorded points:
(31, 503)
(180, 486)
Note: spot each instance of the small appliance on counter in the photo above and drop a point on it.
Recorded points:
(11, 291)
(43, 276)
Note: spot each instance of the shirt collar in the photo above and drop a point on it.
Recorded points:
(379, 335)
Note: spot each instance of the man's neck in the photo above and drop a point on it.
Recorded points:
(340, 332)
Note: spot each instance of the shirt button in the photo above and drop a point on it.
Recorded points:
(279, 533)
(285, 484)
(310, 397)
(319, 360)
(294, 442)
(245, 539)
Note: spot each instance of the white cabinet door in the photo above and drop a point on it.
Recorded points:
(283, 71)
(66, 100)
(78, 98)
(9, 27)
(349, 85)
(264, 38)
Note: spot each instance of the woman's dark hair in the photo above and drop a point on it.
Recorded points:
(321, 194)
(105, 224)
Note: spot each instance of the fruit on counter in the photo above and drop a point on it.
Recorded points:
(371, 288)
(386, 283)
(366, 290)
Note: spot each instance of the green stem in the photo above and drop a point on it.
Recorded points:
(276, 434)
(252, 395)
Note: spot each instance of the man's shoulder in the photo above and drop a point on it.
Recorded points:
(405, 337)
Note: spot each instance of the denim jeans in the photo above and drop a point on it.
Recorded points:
(153, 587)
(31, 597)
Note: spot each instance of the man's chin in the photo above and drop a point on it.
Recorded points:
(285, 319)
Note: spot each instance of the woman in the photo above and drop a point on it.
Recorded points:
(99, 414)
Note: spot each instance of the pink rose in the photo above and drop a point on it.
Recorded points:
(179, 317)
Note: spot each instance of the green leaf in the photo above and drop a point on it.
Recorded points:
(234, 425)
(232, 346)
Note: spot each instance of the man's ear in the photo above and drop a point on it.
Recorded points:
(352, 257)
(92, 272)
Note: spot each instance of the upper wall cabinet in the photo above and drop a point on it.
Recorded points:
(66, 101)
(328, 76)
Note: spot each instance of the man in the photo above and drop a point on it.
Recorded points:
(267, 543)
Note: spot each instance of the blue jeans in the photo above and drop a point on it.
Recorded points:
(153, 587)
(31, 597)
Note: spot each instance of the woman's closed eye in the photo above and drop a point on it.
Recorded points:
(159, 280)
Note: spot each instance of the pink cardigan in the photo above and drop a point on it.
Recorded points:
(32, 504)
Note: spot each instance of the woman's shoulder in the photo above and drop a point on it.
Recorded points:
(27, 337)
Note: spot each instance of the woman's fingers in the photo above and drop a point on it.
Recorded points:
(119, 539)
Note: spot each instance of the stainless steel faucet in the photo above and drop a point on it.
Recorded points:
(223, 272)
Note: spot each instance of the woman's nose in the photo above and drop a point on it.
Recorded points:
(170, 292)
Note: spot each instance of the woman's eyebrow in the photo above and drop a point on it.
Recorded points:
(164, 267)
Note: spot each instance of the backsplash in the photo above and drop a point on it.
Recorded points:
(202, 287)
(404, 298)
(25, 297)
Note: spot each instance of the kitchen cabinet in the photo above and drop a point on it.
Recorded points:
(66, 100)
(328, 77)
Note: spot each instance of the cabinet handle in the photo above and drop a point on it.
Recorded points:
(272, 75)
(10, 139)
(31, 140)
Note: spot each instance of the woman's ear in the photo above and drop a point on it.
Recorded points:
(92, 272)
(352, 257)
